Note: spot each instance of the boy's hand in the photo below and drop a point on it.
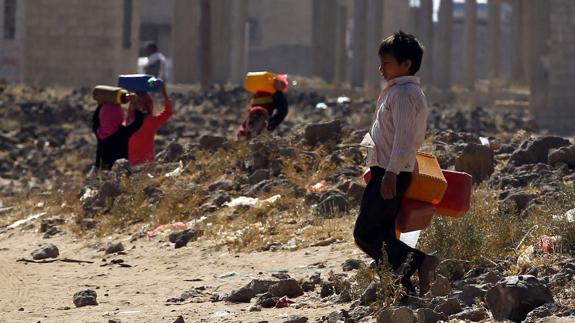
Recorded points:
(388, 184)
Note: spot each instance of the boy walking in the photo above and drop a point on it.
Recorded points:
(394, 138)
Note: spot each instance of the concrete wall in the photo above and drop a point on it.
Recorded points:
(559, 113)
(78, 42)
(156, 24)
(157, 12)
(186, 41)
(12, 62)
(280, 36)
(482, 58)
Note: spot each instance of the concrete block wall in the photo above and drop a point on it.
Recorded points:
(281, 36)
(559, 114)
(12, 62)
(156, 24)
(79, 43)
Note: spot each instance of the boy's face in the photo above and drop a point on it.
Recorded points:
(390, 68)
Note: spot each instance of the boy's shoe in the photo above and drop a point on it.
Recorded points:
(426, 273)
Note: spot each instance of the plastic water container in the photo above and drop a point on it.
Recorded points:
(260, 82)
(140, 83)
(427, 181)
(457, 198)
(414, 215)
(110, 94)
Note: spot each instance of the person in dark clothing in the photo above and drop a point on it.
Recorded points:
(112, 136)
(267, 111)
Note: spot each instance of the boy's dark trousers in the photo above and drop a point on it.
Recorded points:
(375, 226)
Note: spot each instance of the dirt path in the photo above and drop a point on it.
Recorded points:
(32, 292)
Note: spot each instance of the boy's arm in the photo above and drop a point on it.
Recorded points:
(281, 103)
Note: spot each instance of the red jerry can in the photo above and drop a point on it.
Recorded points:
(457, 198)
(414, 215)
(367, 176)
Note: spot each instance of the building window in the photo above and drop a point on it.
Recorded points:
(9, 19)
(127, 25)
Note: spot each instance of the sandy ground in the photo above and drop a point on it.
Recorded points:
(31, 292)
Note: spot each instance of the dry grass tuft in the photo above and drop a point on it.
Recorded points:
(491, 232)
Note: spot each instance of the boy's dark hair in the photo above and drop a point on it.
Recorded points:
(152, 46)
(403, 46)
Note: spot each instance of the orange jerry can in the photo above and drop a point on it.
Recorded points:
(427, 181)
(414, 215)
(260, 82)
(457, 198)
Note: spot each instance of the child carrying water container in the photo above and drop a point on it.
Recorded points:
(397, 133)
(268, 108)
(141, 148)
(112, 136)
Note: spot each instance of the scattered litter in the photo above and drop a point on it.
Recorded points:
(40, 205)
(343, 99)
(26, 220)
(284, 302)
(221, 314)
(526, 257)
(176, 172)
(164, 227)
(547, 243)
(88, 194)
(271, 200)
(196, 221)
(250, 201)
(292, 244)
(318, 187)
(321, 105)
(228, 275)
(410, 238)
(484, 141)
(570, 215)
(242, 200)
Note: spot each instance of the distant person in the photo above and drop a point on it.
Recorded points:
(156, 64)
(266, 111)
(112, 136)
(393, 140)
(141, 148)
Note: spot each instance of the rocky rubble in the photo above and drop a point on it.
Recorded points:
(199, 159)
